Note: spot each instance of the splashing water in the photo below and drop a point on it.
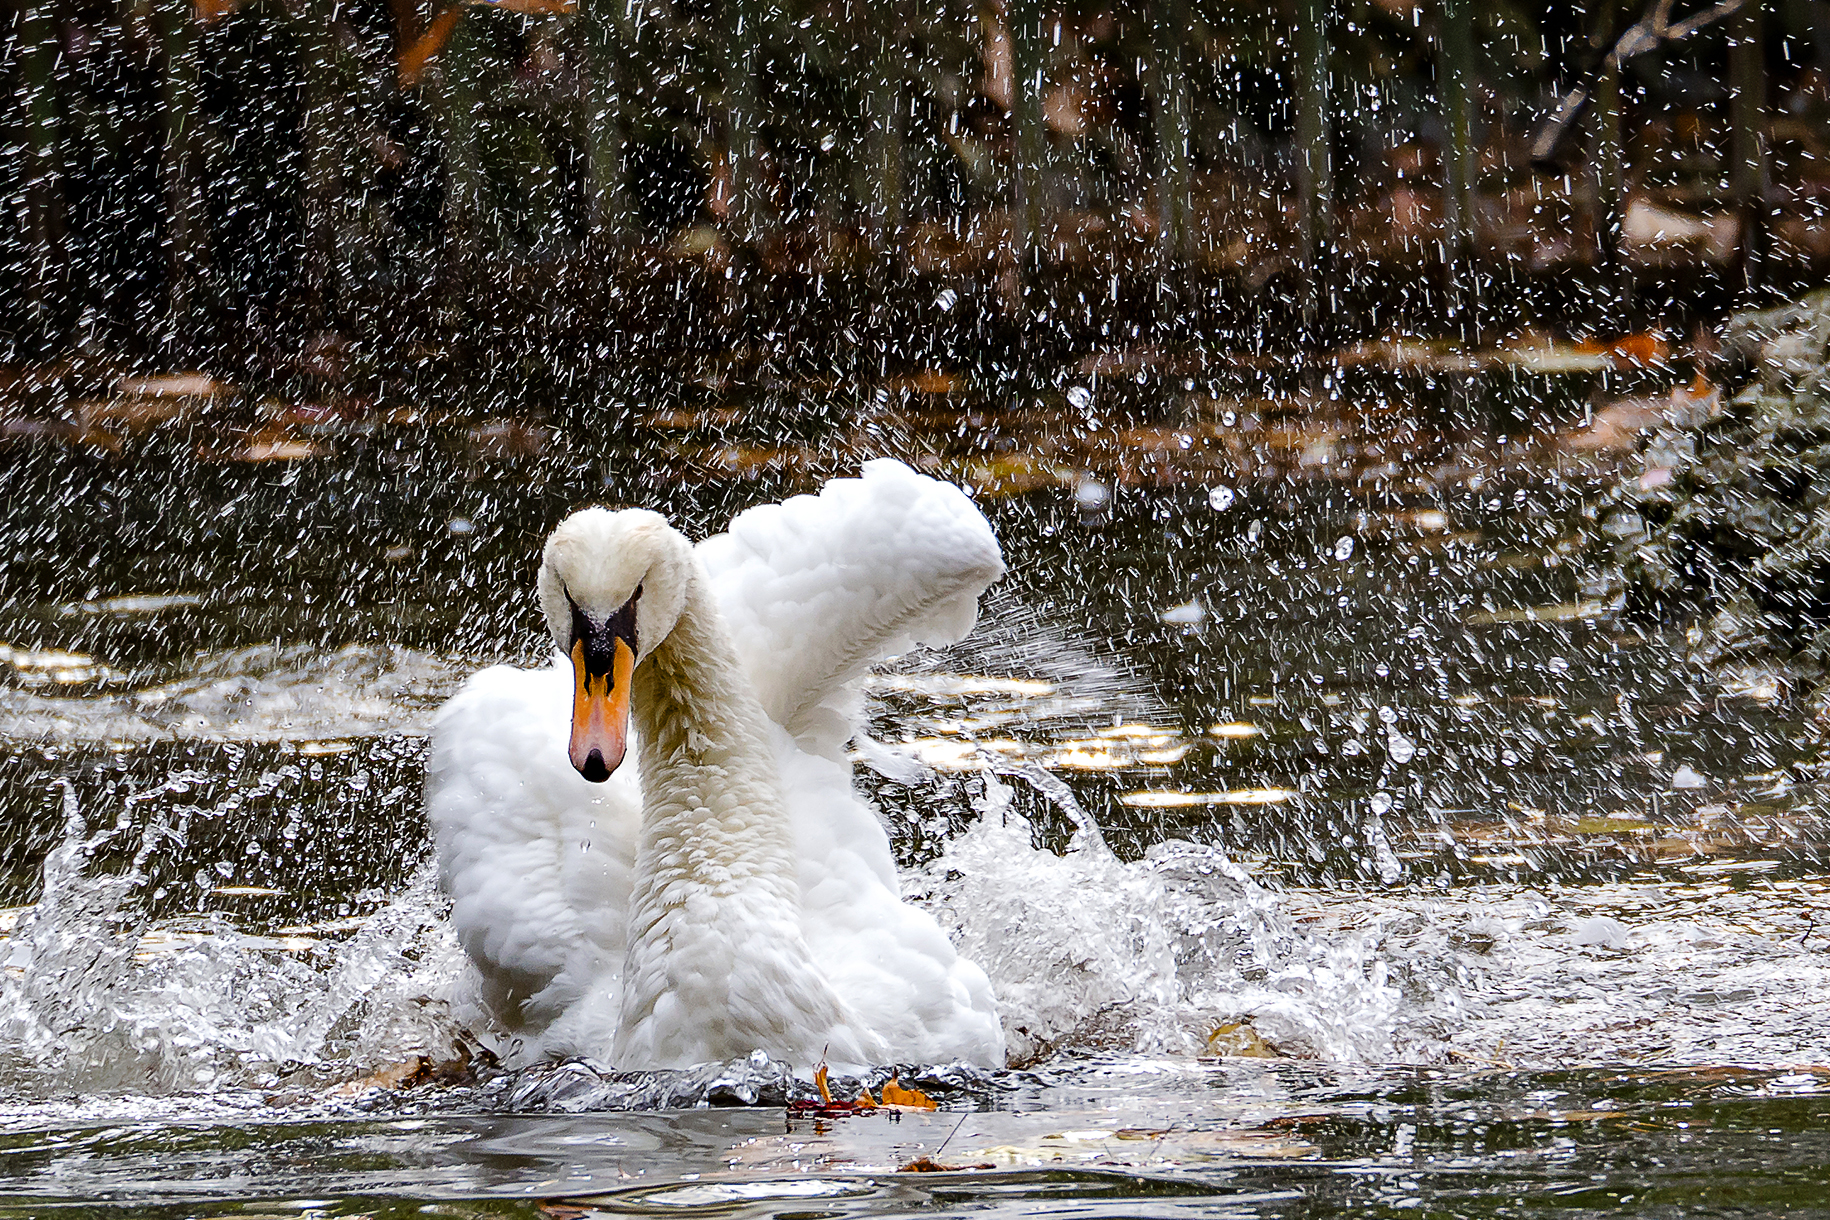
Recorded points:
(260, 693)
(1177, 952)
(1154, 956)
(1085, 951)
(97, 999)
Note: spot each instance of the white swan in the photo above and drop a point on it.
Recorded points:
(741, 896)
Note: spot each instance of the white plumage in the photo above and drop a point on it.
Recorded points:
(542, 866)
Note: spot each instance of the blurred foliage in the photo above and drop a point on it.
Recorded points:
(1731, 514)
(364, 167)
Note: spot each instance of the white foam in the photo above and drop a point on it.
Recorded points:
(1154, 954)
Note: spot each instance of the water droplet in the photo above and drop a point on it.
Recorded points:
(1343, 548)
(1381, 802)
(460, 526)
(1092, 495)
(1221, 498)
(946, 300)
(1079, 397)
(1188, 613)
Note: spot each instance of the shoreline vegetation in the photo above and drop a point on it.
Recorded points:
(346, 208)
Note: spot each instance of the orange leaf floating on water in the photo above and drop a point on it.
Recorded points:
(895, 1095)
(1640, 350)
(828, 1105)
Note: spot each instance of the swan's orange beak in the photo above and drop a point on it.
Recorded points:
(600, 712)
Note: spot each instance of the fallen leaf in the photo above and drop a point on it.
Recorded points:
(1651, 231)
(391, 1076)
(173, 385)
(208, 12)
(895, 1095)
(131, 414)
(414, 58)
(1638, 351)
(1549, 359)
(564, 1211)
(502, 440)
(531, 8)
(1159, 798)
(1609, 825)
(922, 1164)
(819, 1082)
(927, 381)
(270, 447)
(1563, 613)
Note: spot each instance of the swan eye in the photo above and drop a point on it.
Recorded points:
(599, 639)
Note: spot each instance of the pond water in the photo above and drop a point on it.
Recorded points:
(1329, 851)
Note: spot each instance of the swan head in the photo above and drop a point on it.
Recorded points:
(612, 585)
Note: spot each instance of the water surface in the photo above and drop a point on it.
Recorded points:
(1518, 907)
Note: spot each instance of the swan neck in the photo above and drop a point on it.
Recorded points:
(706, 751)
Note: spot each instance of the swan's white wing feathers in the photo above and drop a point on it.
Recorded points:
(889, 962)
(819, 588)
(537, 860)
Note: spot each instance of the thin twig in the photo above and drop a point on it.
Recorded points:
(1646, 34)
(935, 1155)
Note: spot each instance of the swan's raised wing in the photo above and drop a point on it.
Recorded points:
(819, 588)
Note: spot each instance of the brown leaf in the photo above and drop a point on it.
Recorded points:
(267, 445)
(533, 8)
(922, 1164)
(415, 57)
(131, 414)
(1239, 1040)
(209, 12)
(1639, 351)
(173, 385)
(391, 1076)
